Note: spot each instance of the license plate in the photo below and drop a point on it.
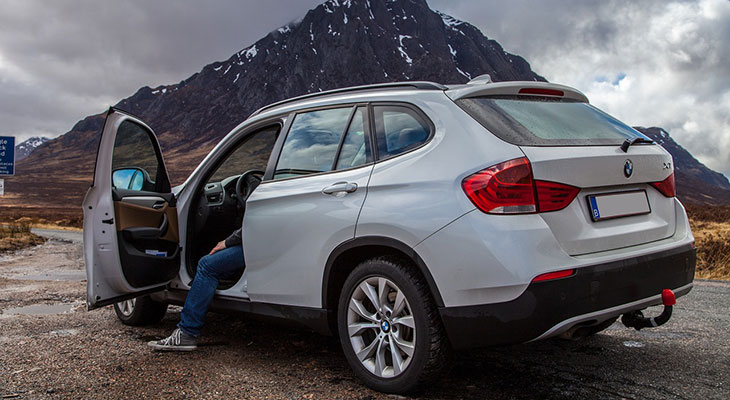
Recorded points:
(617, 205)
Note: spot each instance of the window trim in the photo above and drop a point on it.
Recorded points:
(234, 143)
(370, 126)
(366, 126)
(162, 178)
(269, 175)
(342, 137)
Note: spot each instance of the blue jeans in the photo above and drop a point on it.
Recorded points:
(211, 268)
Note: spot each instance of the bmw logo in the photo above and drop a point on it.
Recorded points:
(385, 326)
(628, 168)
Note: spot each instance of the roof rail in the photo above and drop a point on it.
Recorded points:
(423, 85)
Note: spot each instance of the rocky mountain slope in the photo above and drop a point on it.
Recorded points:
(26, 147)
(337, 44)
(695, 182)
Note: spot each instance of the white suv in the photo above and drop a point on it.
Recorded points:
(409, 219)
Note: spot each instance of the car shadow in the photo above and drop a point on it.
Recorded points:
(612, 364)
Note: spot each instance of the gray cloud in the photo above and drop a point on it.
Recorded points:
(657, 62)
(654, 62)
(63, 60)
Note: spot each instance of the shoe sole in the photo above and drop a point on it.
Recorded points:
(159, 347)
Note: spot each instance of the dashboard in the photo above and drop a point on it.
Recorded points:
(218, 207)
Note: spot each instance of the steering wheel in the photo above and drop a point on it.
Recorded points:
(247, 182)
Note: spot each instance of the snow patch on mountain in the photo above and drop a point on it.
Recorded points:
(23, 149)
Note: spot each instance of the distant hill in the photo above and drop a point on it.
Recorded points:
(26, 147)
(696, 183)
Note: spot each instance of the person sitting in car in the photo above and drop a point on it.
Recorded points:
(223, 261)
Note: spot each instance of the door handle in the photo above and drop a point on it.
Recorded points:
(340, 187)
(158, 205)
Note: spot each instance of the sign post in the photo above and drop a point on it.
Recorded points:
(7, 155)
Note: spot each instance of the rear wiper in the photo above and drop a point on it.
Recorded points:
(628, 142)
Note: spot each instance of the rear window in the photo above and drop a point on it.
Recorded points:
(547, 122)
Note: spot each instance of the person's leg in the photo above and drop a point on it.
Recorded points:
(211, 269)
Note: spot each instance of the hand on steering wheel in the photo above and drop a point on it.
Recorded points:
(247, 182)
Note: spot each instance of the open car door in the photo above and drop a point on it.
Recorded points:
(131, 241)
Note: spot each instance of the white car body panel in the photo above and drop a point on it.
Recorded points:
(413, 195)
(290, 229)
(599, 169)
(483, 259)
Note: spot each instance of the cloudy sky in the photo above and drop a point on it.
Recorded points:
(653, 63)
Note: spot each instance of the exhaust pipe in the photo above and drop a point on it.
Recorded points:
(637, 320)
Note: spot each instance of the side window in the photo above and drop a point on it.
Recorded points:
(356, 146)
(252, 153)
(398, 129)
(312, 142)
(135, 165)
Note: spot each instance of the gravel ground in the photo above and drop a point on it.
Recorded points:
(80, 354)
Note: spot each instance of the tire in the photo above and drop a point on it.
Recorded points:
(425, 340)
(140, 311)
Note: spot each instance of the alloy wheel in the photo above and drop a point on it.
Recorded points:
(381, 327)
(126, 307)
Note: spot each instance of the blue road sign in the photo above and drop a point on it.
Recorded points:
(7, 155)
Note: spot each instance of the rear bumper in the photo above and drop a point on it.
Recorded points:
(593, 294)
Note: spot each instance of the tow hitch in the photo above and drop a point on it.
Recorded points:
(637, 320)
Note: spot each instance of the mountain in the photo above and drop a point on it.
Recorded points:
(337, 44)
(695, 182)
(24, 149)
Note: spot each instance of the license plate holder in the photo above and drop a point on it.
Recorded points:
(618, 205)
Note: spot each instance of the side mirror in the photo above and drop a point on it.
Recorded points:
(129, 178)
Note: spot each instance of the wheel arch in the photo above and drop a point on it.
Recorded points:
(345, 257)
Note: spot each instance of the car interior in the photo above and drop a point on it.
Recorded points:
(220, 204)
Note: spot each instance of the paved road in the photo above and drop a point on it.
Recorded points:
(69, 236)
(81, 354)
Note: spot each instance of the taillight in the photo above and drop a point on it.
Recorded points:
(666, 187)
(509, 188)
(552, 196)
(504, 188)
(554, 275)
(542, 92)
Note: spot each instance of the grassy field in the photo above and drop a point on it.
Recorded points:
(711, 228)
(46, 216)
(16, 235)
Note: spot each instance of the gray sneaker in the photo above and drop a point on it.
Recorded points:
(178, 341)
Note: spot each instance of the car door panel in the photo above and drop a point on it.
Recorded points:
(134, 212)
(148, 240)
(131, 237)
(291, 227)
(307, 205)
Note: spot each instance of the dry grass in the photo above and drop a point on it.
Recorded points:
(711, 228)
(44, 217)
(56, 227)
(16, 235)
